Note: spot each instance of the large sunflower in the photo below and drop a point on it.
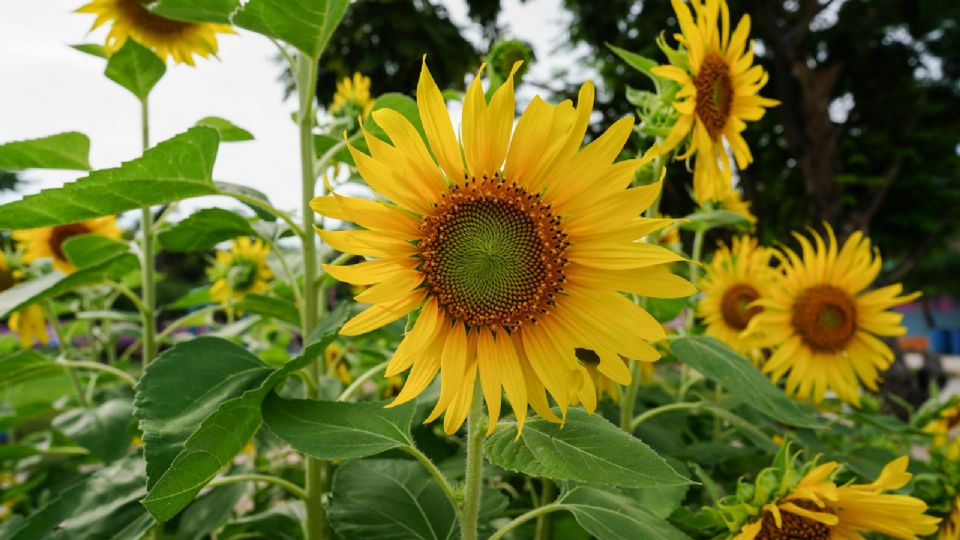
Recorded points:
(737, 276)
(718, 95)
(241, 271)
(352, 98)
(823, 322)
(512, 252)
(166, 37)
(819, 509)
(46, 242)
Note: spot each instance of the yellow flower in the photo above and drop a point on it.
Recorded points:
(240, 271)
(819, 509)
(950, 528)
(166, 37)
(513, 253)
(603, 384)
(337, 366)
(48, 241)
(393, 386)
(824, 324)
(737, 276)
(732, 201)
(31, 325)
(944, 423)
(352, 98)
(718, 94)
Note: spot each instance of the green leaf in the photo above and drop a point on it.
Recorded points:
(175, 169)
(241, 192)
(70, 150)
(25, 365)
(389, 500)
(280, 521)
(587, 448)
(89, 249)
(229, 132)
(718, 362)
(665, 309)
(323, 143)
(335, 430)
(270, 306)
(56, 283)
(93, 49)
(305, 24)
(612, 516)
(102, 505)
(401, 103)
(704, 220)
(215, 11)
(207, 513)
(102, 430)
(205, 229)
(638, 62)
(195, 298)
(135, 68)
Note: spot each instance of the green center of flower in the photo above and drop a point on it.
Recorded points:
(62, 233)
(143, 19)
(825, 317)
(493, 254)
(242, 274)
(714, 99)
(793, 526)
(735, 305)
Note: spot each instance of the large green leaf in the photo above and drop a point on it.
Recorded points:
(135, 68)
(69, 150)
(337, 430)
(270, 306)
(90, 249)
(305, 24)
(175, 169)
(207, 513)
(249, 197)
(56, 283)
(587, 448)
(741, 378)
(205, 229)
(612, 516)
(229, 132)
(216, 11)
(638, 62)
(25, 365)
(102, 430)
(103, 506)
(389, 500)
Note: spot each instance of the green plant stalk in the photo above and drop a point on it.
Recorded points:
(275, 480)
(437, 475)
(367, 375)
(474, 470)
(523, 518)
(148, 286)
(97, 366)
(64, 340)
(548, 495)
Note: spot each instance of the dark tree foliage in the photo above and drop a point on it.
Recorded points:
(886, 161)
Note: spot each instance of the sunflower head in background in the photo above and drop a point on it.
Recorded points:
(337, 365)
(241, 271)
(352, 98)
(941, 422)
(738, 276)
(733, 202)
(824, 322)
(165, 37)
(718, 94)
(511, 254)
(47, 242)
(29, 323)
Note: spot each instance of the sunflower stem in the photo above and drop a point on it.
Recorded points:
(474, 470)
(148, 287)
(269, 479)
(547, 496)
(523, 518)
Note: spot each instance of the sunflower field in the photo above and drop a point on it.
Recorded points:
(501, 309)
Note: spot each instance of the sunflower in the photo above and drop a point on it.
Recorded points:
(48, 241)
(166, 37)
(823, 322)
(337, 365)
(604, 385)
(511, 254)
(718, 94)
(819, 509)
(733, 202)
(240, 271)
(352, 98)
(941, 426)
(28, 323)
(737, 276)
(950, 527)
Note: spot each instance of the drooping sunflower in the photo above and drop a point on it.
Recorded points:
(46, 242)
(823, 321)
(241, 271)
(166, 37)
(945, 421)
(718, 95)
(737, 276)
(511, 251)
(819, 509)
(29, 323)
(352, 97)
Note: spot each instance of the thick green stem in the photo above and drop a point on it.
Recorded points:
(275, 480)
(367, 375)
(548, 495)
(474, 476)
(521, 519)
(436, 474)
(148, 286)
(97, 366)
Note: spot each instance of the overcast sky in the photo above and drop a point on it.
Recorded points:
(46, 87)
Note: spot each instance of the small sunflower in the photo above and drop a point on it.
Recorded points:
(337, 365)
(352, 98)
(240, 271)
(819, 509)
(738, 275)
(945, 421)
(718, 94)
(824, 323)
(733, 202)
(166, 37)
(950, 527)
(512, 253)
(29, 323)
(48, 241)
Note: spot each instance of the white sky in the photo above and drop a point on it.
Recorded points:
(47, 87)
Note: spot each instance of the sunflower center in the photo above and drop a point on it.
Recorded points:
(242, 274)
(6, 278)
(825, 317)
(493, 254)
(735, 305)
(714, 94)
(793, 526)
(141, 18)
(61, 233)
